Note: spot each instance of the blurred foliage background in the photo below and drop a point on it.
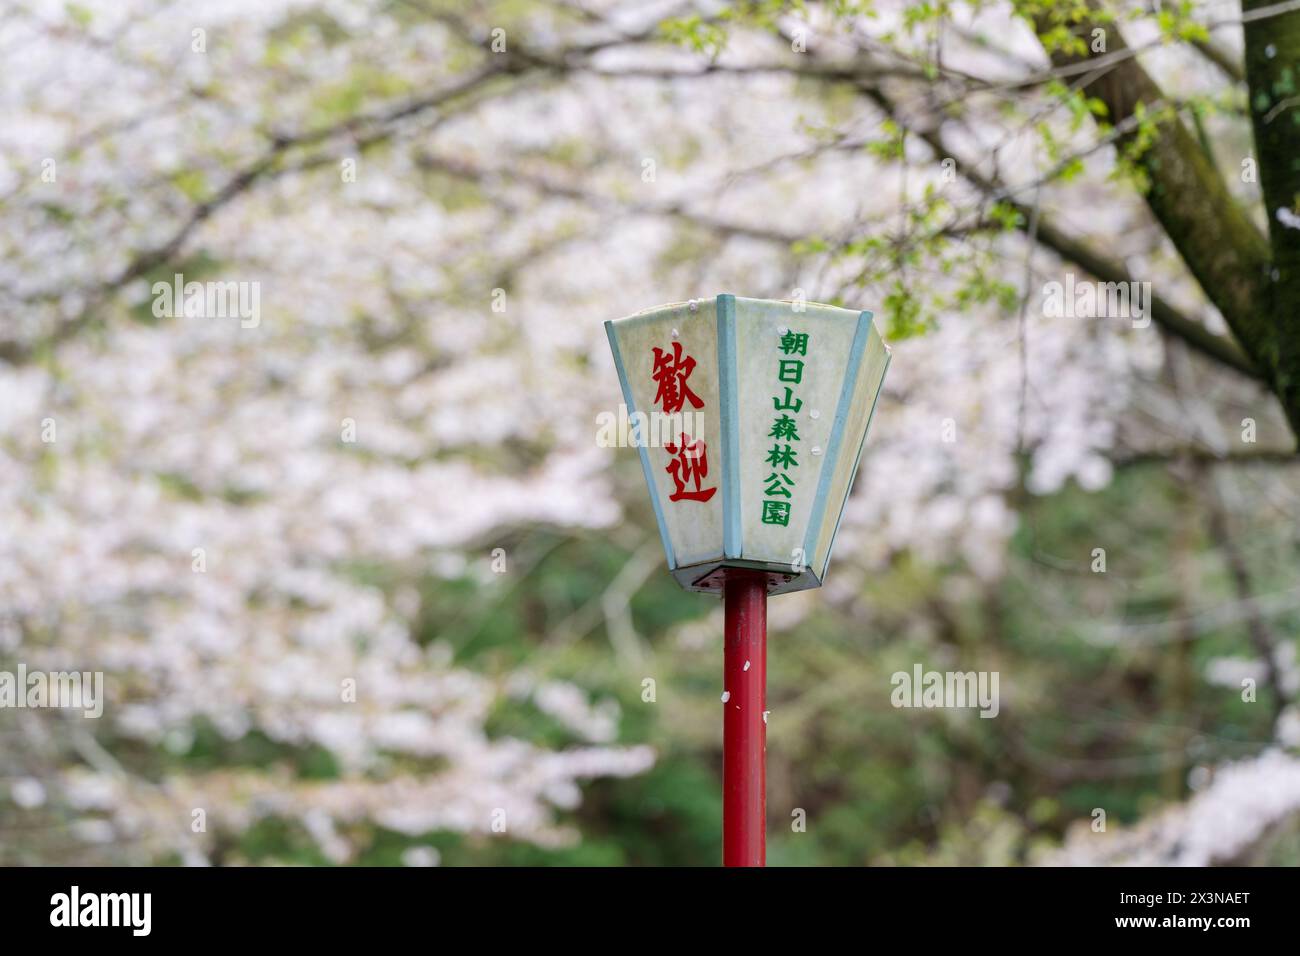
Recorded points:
(1093, 714)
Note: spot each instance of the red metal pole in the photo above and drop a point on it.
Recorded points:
(744, 724)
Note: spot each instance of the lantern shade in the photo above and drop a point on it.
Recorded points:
(749, 416)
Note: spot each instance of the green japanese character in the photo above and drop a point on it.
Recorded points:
(784, 427)
(794, 343)
(774, 487)
(776, 512)
(784, 458)
(791, 403)
(791, 371)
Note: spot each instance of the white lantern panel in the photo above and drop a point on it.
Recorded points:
(802, 404)
(667, 360)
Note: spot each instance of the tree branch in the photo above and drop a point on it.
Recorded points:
(1073, 250)
(1198, 454)
(1261, 635)
(1221, 246)
(366, 129)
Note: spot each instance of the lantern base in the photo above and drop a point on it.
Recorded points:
(781, 578)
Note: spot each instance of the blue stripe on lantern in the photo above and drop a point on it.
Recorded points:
(729, 398)
(641, 448)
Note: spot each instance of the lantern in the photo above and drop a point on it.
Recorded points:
(750, 417)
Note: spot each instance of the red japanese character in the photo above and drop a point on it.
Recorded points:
(690, 464)
(671, 372)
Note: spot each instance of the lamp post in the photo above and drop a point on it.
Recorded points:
(744, 719)
(749, 416)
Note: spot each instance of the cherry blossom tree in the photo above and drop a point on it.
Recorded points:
(435, 206)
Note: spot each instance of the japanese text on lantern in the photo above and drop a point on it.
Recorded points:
(689, 465)
(777, 491)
